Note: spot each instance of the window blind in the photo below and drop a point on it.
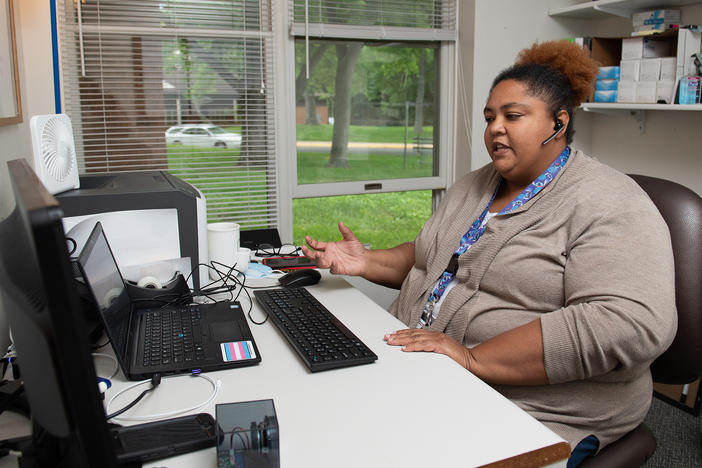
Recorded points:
(179, 85)
(403, 20)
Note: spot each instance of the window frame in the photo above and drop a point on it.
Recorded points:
(446, 130)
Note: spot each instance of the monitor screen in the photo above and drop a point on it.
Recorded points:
(102, 276)
(39, 297)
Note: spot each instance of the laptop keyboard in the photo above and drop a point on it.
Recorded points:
(321, 340)
(172, 336)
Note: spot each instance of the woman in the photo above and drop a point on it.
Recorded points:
(545, 273)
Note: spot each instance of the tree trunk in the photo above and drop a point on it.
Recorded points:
(347, 56)
(419, 102)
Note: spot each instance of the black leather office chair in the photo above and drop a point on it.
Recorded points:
(682, 362)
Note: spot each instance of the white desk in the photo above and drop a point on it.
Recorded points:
(376, 415)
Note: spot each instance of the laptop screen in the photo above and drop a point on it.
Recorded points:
(102, 276)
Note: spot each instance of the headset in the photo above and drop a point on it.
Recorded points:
(558, 127)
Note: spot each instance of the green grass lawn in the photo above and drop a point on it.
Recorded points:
(381, 220)
(311, 167)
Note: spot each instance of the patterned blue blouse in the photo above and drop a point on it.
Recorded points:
(478, 227)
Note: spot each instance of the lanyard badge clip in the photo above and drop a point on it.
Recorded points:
(453, 264)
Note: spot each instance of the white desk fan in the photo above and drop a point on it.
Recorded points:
(54, 152)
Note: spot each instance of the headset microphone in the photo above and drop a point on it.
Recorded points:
(557, 128)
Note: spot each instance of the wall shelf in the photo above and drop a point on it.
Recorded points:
(609, 108)
(638, 111)
(625, 8)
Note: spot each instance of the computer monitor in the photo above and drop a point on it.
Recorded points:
(39, 296)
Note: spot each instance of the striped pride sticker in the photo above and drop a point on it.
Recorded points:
(237, 351)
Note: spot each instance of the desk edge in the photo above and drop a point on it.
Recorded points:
(535, 458)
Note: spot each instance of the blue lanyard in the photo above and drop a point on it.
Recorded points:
(478, 227)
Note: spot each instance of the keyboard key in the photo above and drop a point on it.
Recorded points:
(169, 336)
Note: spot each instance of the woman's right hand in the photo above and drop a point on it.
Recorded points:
(344, 257)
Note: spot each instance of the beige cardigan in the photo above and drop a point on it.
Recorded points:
(590, 255)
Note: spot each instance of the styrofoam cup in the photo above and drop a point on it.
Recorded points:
(222, 244)
(242, 257)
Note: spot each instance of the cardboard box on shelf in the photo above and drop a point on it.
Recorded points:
(664, 91)
(668, 65)
(630, 70)
(646, 92)
(650, 69)
(655, 17)
(632, 48)
(627, 91)
(606, 51)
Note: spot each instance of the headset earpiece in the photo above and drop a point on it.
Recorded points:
(557, 129)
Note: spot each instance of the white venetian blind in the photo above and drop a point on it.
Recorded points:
(402, 20)
(132, 69)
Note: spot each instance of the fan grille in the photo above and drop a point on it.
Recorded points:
(57, 149)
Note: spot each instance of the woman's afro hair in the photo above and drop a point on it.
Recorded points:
(568, 58)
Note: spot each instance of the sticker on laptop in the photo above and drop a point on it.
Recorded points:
(237, 351)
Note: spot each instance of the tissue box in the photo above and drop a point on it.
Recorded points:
(608, 73)
(609, 95)
(606, 85)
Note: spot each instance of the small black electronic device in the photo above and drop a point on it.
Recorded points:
(289, 263)
(298, 278)
(557, 129)
(161, 439)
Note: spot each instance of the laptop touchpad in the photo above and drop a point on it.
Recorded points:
(225, 331)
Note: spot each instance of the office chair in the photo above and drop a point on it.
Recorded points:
(681, 363)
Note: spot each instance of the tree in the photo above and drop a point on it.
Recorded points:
(419, 101)
(347, 56)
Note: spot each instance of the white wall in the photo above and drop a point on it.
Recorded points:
(33, 31)
(666, 149)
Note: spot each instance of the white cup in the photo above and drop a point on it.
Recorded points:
(222, 245)
(242, 257)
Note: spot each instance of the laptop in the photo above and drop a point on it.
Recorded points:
(164, 339)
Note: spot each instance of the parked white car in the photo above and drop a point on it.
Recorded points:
(204, 135)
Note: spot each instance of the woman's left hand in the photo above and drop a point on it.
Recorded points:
(430, 341)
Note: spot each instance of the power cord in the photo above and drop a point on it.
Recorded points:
(268, 250)
(216, 385)
(228, 282)
(155, 381)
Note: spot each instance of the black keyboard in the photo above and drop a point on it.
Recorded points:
(172, 336)
(320, 338)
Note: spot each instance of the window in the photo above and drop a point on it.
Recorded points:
(184, 86)
(373, 87)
